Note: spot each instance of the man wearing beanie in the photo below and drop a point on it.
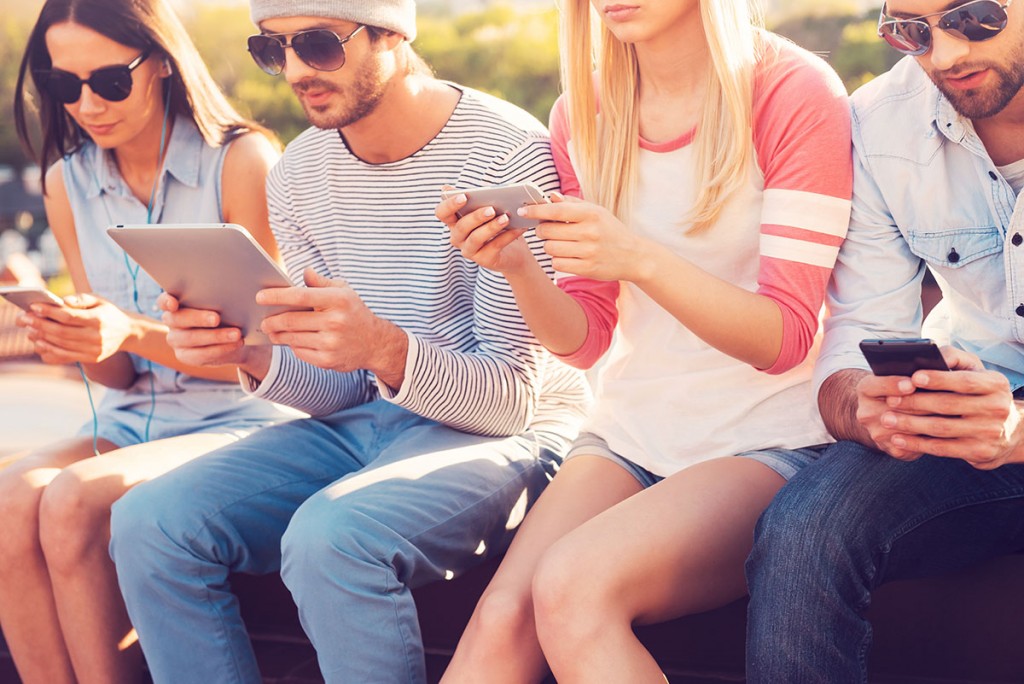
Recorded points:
(436, 417)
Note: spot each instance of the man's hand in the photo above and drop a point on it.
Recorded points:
(340, 333)
(969, 413)
(873, 395)
(198, 339)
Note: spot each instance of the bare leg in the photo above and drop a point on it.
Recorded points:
(75, 534)
(28, 615)
(500, 643)
(674, 549)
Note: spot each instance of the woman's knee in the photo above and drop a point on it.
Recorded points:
(564, 600)
(73, 518)
(20, 499)
(502, 615)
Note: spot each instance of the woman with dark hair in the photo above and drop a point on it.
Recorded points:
(134, 130)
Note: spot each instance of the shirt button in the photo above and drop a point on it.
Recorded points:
(992, 175)
(1020, 310)
(953, 257)
(1016, 239)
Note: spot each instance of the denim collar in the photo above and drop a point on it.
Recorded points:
(183, 158)
(955, 127)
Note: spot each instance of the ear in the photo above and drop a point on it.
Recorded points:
(165, 68)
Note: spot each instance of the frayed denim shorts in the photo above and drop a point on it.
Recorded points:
(786, 462)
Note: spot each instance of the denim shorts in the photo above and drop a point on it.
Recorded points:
(786, 462)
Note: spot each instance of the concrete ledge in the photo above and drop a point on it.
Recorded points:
(962, 628)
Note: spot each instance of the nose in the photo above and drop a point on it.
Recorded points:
(947, 49)
(89, 101)
(295, 70)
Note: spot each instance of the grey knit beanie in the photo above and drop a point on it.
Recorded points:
(394, 15)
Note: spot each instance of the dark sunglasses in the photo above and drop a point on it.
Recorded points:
(112, 83)
(974, 21)
(322, 49)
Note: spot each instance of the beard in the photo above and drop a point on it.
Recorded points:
(358, 99)
(982, 103)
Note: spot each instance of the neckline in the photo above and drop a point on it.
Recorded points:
(669, 145)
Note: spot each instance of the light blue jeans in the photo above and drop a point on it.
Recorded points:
(355, 510)
(844, 525)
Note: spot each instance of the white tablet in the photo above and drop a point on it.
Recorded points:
(217, 267)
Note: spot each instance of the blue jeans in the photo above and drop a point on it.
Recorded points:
(844, 525)
(355, 510)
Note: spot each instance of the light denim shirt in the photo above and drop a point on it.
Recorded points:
(925, 193)
(188, 191)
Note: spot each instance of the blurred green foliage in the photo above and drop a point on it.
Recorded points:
(508, 51)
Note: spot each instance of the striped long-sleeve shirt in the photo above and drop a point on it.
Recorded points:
(472, 362)
(665, 398)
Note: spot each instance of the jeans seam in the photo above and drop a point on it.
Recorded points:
(953, 505)
(197, 572)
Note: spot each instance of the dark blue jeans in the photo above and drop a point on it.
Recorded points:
(844, 525)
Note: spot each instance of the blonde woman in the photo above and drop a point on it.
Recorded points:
(712, 160)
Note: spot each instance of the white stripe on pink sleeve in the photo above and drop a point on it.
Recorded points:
(802, 138)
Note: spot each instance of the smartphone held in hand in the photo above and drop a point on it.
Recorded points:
(506, 199)
(25, 296)
(902, 357)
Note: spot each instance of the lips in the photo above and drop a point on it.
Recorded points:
(99, 129)
(620, 12)
(967, 81)
(316, 97)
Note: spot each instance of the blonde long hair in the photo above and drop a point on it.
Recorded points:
(607, 147)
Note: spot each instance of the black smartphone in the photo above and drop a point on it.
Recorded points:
(902, 357)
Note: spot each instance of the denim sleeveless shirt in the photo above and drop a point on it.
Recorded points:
(188, 190)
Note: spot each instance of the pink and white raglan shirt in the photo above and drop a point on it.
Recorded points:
(665, 398)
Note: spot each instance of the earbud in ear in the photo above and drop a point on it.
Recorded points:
(167, 70)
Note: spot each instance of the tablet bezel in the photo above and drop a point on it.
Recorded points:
(213, 266)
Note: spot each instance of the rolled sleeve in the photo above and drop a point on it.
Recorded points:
(875, 289)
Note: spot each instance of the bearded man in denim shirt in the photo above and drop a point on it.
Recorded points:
(920, 482)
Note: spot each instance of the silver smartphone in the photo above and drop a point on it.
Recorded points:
(23, 296)
(506, 199)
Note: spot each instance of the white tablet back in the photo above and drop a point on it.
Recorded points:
(218, 267)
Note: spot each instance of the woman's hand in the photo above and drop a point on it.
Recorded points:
(87, 329)
(586, 239)
(485, 238)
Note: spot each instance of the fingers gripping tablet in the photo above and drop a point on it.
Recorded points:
(217, 267)
(506, 199)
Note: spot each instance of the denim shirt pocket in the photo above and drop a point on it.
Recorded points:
(956, 250)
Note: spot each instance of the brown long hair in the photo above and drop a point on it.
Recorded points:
(140, 24)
